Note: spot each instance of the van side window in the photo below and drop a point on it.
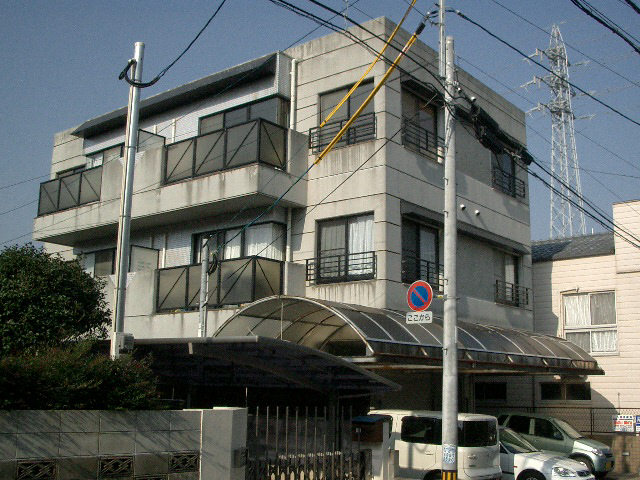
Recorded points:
(477, 433)
(519, 423)
(421, 430)
(544, 428)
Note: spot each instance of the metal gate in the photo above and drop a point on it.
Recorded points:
(304, 443)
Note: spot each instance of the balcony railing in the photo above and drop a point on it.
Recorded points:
(421, 140)
(234, 282)
(511, 294)
(70, 191)
(507, 183)
(363, 129)
(333, 268)
(251, 142)
(414, 269)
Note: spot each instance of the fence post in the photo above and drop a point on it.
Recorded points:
(224, 443)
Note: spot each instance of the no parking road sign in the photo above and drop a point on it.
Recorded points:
(419, 296)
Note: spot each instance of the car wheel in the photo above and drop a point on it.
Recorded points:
(586, 462)
(531, 475)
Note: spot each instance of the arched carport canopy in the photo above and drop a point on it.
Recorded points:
(377, 338)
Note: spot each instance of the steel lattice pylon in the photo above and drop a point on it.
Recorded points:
(567, 216)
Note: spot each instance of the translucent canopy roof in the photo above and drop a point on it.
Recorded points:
(378, 338)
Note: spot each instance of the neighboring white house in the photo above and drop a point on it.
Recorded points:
(587, 290)
(346, 240)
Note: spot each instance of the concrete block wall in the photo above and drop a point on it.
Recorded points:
(81, 444)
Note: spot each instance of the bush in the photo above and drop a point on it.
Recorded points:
(76, 377)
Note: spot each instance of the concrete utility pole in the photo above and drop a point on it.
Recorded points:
(450, 340)
(124, 220)
(204, 290)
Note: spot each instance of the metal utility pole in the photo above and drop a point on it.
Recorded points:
(450, 337)
(566, 219)
(124, 220)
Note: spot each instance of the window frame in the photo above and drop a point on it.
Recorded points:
(417, 227)
(282, 114)
(563, 392)
(591, 328)
(196, 241)
(346, 276)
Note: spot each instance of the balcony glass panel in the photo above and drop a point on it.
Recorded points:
(210, 153)
(193, 286)
(268, 278)
(179, 164)
(69, 191)
(242, 144)
(91, 183)
(172, 285)
(273, 145)
(236, 281)
(48, 202)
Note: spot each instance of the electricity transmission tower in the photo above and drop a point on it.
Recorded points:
(567, 215)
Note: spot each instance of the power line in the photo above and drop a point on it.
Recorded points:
(464, 17)
(125, 72)
(602, 19)
(568, 45)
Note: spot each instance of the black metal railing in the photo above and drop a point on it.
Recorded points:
(363, 129)
(331, 267)
(507, 183)
(255, 141)
(70, 191)
(511, 294)
(236, 281)
(413, 268)
(421, 140)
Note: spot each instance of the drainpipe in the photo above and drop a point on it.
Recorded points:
(292, 127)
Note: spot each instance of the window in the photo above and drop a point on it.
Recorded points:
(490, 391)
(590, 321)
(545, 429)
(345, 249)
(363, 128)
(481, 433)
(503, 175)
(421, 430)
(506, 274)
(419, 124)
(104, 156)
(263, 240)
(103, 262)
(421, 254)
(556, 391)
(274, 109)
(519, 423)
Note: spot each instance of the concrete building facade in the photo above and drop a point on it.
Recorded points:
(217, 155)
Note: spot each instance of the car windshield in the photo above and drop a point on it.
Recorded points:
(569, 430)
(514, 443)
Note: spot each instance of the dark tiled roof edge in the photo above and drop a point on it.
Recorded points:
(573, 247)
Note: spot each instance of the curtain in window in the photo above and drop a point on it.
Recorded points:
(603, 308)
(360, 242)
(233, 246)
(576, 311)
(332, 248)
(604, 341)
(262, 240)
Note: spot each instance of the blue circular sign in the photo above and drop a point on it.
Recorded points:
(419, 296)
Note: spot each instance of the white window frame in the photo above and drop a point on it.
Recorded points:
(591, 328)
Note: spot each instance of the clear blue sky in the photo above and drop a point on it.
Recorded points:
(60, 61)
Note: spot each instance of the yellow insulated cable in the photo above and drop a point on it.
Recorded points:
(393, 66)
(353, 89)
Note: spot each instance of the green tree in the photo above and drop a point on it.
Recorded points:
(52, 314)
(45, 300)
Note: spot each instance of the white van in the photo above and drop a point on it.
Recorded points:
(417, 436)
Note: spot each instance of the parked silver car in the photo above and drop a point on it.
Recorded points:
(555, 435)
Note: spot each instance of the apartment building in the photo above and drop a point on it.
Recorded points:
(326, 256)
